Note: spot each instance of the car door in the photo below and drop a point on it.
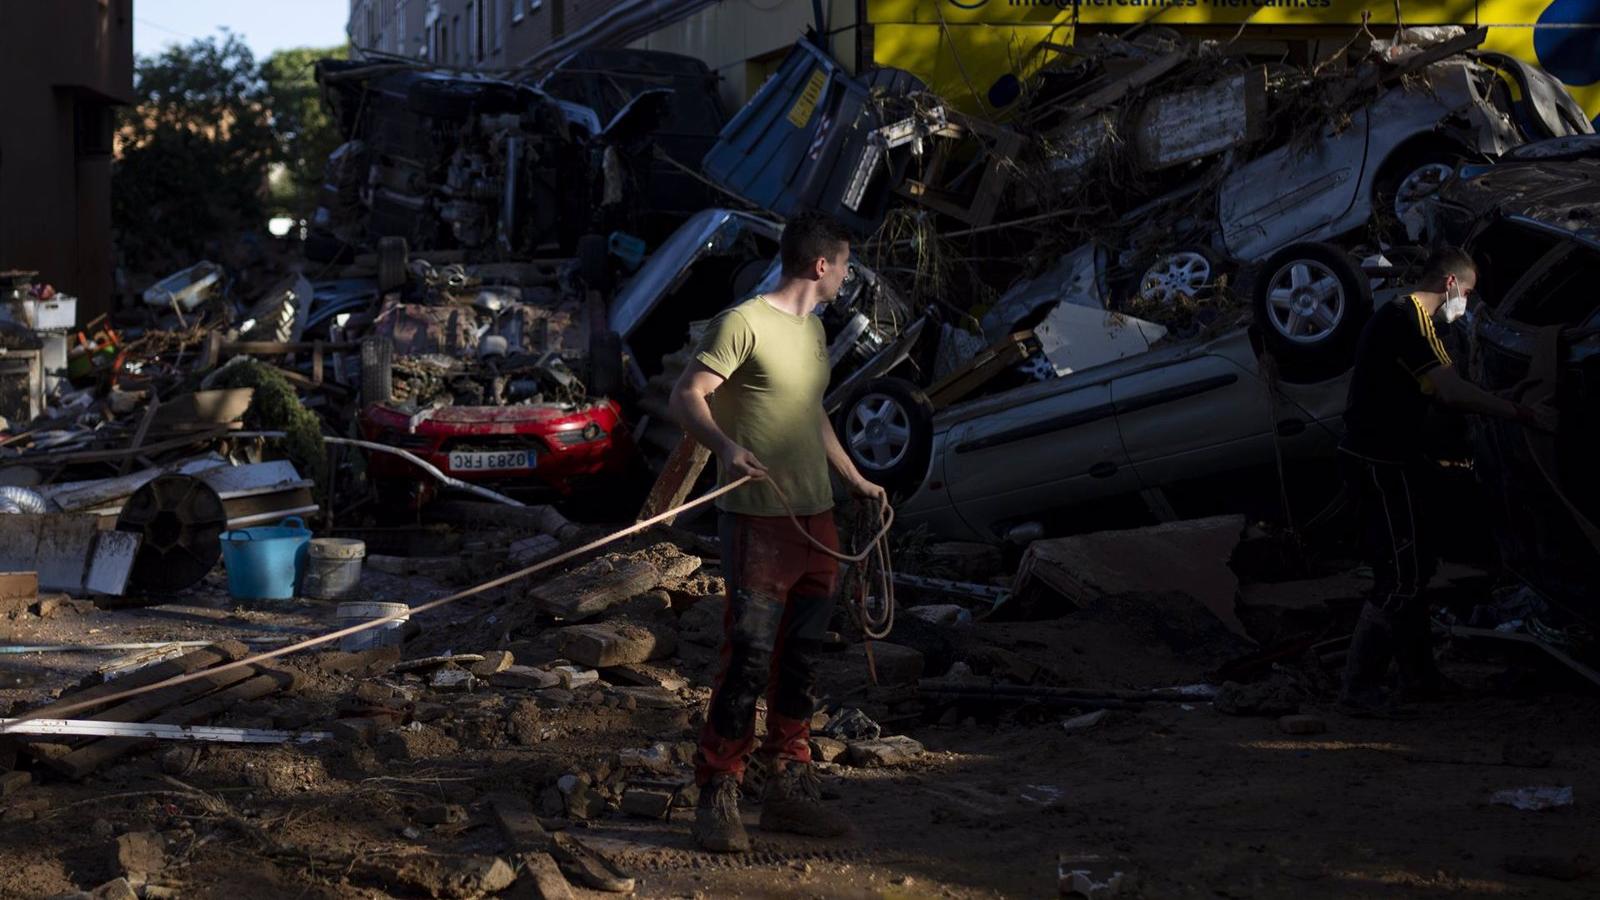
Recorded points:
(1195, 416)
(1293, 190)
(1038, 448)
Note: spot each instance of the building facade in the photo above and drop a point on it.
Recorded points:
(65, 65)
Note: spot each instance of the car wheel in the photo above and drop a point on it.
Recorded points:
(393, 257)
(377, 373)
(1407, 182)
(1311, 303)
(887, 428)
(1177, 278)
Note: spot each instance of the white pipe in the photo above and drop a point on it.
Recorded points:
(423, 464)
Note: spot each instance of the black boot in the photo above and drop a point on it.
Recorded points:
(717, 825)
(1420, 678)
(1366, 665)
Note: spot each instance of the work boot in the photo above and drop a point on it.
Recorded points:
(1420, 678)
(792, 803)
(1365, 666)
(717, 826)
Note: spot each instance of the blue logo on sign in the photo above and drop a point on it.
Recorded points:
(969, 4)
(1570, 54)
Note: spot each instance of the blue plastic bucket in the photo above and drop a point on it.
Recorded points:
(266, 563)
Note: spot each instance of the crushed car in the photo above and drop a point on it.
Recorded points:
(1534, 333)
(594, 85)
(462, 161)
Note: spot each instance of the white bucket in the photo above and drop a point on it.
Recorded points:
(388, 634)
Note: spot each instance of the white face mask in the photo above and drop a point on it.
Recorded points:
(1455, 304)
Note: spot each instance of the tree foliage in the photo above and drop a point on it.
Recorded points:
(195, 151)
(192, 153)
(306, 134)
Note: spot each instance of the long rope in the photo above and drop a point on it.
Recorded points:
(878, 545)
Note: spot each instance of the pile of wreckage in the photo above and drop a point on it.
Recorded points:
(491, 315)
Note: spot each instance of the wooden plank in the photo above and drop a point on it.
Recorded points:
(144, 429)
(995, 359)
(204, 658)
(677, 479)
(592, 589)
(86, 759)
(85, 456)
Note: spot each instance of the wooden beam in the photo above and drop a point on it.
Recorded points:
(677, 479)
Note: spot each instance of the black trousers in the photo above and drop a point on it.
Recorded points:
(1395, 541)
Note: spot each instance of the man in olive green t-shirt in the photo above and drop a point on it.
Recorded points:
(754, 396)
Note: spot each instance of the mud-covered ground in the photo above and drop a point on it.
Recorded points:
(1183, 799)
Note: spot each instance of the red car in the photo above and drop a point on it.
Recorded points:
(540, 446)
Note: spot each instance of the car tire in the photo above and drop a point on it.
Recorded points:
(605, 364)
(594, 261)
(1311, 302)
(377, 372)
(1408, 178)
(393, 256)
(886, 426)
(1186, 271)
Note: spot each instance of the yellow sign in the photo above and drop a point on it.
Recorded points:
(968, 50)
(800, 113)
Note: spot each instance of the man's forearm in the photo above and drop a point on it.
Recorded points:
(837, 457)
(693, 414)
(1468, 397)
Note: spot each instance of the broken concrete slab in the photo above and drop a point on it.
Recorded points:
(525, 677)
(646, 803)
(894, 750)
(115, 889)
(1187, 557)
(593, 588)
(826, 749)
(459, 877)
(573, 678)
(606, 644)
(140, 854)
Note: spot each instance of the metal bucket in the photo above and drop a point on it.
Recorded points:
(333, 568)
(265, 563)
(389, 634)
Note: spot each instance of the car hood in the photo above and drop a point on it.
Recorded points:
(1559, 196)
(706, 230)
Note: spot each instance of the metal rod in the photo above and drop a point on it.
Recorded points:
(214, 733)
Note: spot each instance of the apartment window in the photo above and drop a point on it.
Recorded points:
(475, 12)
(456, 43)
(400, 26)
(519, 8)
(558, 18)
(494, 23)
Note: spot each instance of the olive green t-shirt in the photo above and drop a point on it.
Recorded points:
(776, 366)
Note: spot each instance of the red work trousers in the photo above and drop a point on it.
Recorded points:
(779, 601)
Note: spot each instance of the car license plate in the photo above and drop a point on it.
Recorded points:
(491, 461)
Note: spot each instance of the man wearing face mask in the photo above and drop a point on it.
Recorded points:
(1402, 365)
